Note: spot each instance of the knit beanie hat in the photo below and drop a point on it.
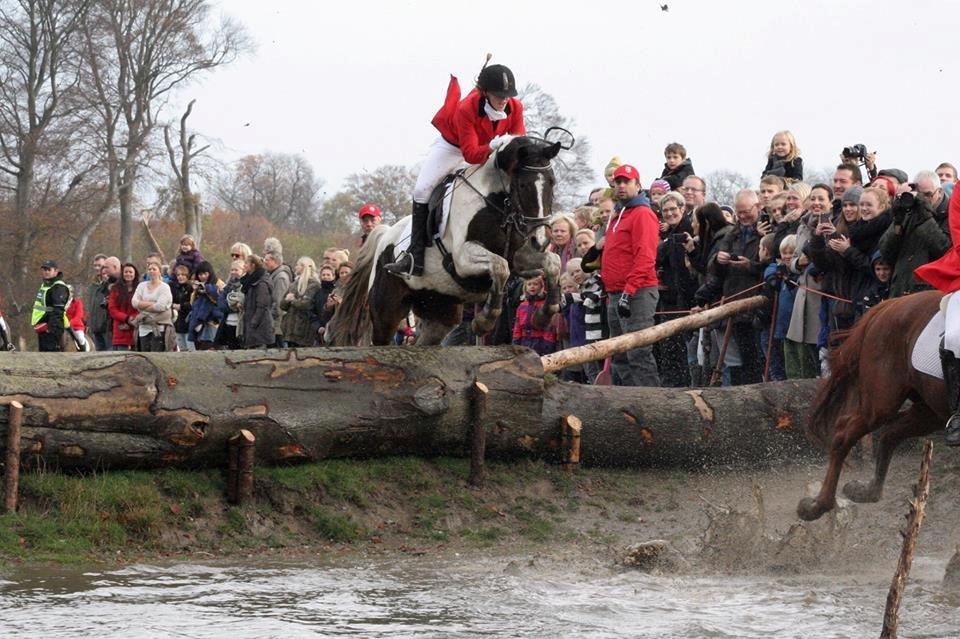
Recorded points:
(852, 195)
(663, 185)
(612, 165)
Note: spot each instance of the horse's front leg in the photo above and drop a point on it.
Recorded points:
(551, 281)
(848, 429)
(471, 260)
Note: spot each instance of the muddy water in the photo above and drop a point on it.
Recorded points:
(454, 597)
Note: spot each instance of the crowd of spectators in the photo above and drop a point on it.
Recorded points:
(631, 257)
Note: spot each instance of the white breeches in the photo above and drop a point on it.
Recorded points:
(951, 334)
(441, 160)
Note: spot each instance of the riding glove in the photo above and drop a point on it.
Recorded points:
(497, 142)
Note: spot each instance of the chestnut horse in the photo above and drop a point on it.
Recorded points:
(871, 378)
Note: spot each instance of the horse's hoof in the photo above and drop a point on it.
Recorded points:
(810, 509)
(862, 492)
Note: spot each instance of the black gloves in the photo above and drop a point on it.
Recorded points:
(623, 306)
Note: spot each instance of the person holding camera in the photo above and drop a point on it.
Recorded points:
(628, 270)
(677, 287)
(913, 240)
(737, 268)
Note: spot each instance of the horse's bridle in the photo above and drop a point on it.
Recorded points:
(512, 216)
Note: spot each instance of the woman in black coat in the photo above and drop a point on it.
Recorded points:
(257, 298)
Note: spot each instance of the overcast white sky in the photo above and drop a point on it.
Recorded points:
(353, 85)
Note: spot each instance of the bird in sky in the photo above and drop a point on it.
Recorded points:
(664, 7)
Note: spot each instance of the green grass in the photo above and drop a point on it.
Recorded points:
(335, 526)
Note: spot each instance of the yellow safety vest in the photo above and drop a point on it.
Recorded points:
(40, 308)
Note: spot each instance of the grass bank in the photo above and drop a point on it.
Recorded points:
(405, 504)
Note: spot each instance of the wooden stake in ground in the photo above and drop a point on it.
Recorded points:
(240, 468)
(914, 521)
(478, 435)
(622, 343)
(11, 476)
(571, 427)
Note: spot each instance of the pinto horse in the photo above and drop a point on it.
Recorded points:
(498, 212)
(871, 378)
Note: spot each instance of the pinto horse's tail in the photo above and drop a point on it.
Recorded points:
(835, 391)
(348, 324)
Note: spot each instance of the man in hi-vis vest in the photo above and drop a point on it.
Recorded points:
(49, 309)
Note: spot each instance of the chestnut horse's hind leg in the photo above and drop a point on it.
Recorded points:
(848, 429)
(913, 423)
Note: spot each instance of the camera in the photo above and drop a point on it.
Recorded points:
(734, 256)
(907, 199)
(856, 152)
(764, 217)
(679, 238)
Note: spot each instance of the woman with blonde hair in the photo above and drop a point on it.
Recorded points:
(297, 304)
(562, 230)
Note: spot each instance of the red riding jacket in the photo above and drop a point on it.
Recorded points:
(944, 274)
(464, 124)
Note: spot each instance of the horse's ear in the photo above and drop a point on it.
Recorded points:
(551, 151)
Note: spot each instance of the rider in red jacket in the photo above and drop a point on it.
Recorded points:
(470, 129)
(944, 274)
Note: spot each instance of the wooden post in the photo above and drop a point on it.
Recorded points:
(717, 373)
(240, 467)
(773, 328)
(478, 435)
(914, 520)
(11, 476)
(622, 343)
(570, 427)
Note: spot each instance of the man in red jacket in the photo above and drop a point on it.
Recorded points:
(944, 274)
(470, 129)
(629, 274)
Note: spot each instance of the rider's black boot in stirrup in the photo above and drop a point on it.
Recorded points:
(951, 376)
(411, 262)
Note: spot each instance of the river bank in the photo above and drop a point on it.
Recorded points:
(712, 519)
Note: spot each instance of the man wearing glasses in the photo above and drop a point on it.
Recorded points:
(694, 191)
(49, 309)
(928, 187)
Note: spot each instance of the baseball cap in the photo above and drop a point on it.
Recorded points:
(48, 264)
(369, 209)
(626, 171)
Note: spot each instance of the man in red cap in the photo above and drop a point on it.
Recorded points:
(629, 273)
(370, 218)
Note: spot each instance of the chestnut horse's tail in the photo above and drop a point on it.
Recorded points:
(835, 391)
(347, 326)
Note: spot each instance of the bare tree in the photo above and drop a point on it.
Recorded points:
(572, 168)
(723, 185)
(278, 186)
(143, 50)
(35, 72)
(189, 202)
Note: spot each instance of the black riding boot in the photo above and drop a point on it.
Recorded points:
(951, 376)
(411, 262)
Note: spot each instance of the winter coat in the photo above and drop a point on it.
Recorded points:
(805, 318)
(124, 334)
(792, 170)
(677, 283)
(778, 276)
(591, 298)
(296, 324)
(464, 124)
(191, 259)
(257, 320)
(630, 248)
(944, 273)
(723, 280)
(182, 296)
(280, 279)
(676, 176)
(95, 305)
(920, 241)
(543, 341)
(204, 310)
(848, 275)
(230, 303)
(320, 314)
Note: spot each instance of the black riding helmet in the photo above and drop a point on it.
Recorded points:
(498, 80)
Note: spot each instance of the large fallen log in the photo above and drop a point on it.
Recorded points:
(126, 410)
